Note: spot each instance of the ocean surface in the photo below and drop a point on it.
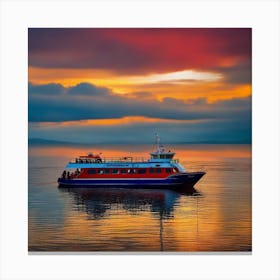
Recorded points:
(216, 217)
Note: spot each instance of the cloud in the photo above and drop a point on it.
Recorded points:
(140, 95)
(88, 89)
(48, 89)
(196, 120)
(237, 74)
(139, 50)
(171, 67)
(86, 101)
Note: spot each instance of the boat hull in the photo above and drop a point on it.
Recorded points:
(177, 181)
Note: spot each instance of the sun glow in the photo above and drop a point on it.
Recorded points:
(68, 77)
(180, 77)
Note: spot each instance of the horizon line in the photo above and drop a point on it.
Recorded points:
(38, 141)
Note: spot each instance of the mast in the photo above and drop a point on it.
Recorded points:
(157, 142)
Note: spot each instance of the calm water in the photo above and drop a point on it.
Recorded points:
(215, 217)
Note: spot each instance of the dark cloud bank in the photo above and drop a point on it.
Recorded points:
(221, 121)
(144, 50)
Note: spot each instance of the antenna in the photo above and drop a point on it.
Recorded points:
(157, 141)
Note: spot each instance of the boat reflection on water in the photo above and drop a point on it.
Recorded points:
(96, 202)
(99, 203)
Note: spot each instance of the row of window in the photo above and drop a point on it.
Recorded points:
(163, 156)
(129, 171)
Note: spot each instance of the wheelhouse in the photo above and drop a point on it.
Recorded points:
(161, 155)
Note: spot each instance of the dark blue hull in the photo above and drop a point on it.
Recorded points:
(178, 181)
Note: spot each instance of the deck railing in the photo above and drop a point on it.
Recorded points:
(115, 159)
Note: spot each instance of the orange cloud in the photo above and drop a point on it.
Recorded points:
(195, 85)
(111, 122)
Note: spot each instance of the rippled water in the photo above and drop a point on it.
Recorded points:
(214, 217)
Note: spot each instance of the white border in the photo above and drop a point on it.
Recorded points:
(262, 16)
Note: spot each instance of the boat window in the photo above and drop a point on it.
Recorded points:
(123, 171)
(168, 170)
(158, 170)
(115, 171)
(106, 171)
(174, 170)
(100, 171)
(141, 171)
(91, 171)
(131, 171)
(152, 170)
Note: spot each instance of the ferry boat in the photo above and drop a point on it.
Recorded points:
(159, 171)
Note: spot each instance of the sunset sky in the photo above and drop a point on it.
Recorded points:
(123, 85)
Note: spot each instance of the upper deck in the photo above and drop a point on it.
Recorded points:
(85, 160)
(129, 162)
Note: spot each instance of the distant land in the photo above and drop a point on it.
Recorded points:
(40, 141)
